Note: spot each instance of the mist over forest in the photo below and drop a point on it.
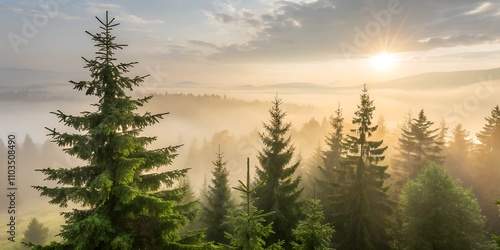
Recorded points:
(203, 123)
(275, 126)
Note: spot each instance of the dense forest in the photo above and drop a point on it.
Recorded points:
(354, 183)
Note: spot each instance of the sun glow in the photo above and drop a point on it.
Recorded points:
(383, 61)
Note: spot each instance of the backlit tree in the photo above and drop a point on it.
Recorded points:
(124, 203)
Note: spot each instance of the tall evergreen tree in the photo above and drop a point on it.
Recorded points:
(364, 203)
(36, 233)
(400, 161)
(382, 130)
(218, 203)
(489, 141)
(29, 157)
(185, 185)
(487, 162)
(419, 145)
(29, 149)
(279, 193)
(331, 171)
(442, 137)
(459, 154)
(309, 171)
(122, 203)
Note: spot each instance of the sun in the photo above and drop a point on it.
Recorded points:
(383, 60)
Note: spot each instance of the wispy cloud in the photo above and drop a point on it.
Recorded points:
(98, 8)
(135, 19)
(480, 8)
(36, 12)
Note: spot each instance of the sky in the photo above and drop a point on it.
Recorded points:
(238, 42)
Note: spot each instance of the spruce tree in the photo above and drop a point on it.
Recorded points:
(279, 193)
(487, 162)
(29, 150)
(185, 185)
(311, 233)
(29, 157)
(36, 233)
(123, 203)
(218, 203)
(364, 206)
(331, 171)
(310, 171)
(400, 162)
(459, 154)
(441, 138)
(419, 145)
(489, 140)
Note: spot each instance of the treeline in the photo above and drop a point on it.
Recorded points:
(421, 203)
(328, 182)
(31, 96)
(31, 156)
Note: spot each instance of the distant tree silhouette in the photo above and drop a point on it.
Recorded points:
(419, 144)
(36, 233)
(458, 160)
(218, 203)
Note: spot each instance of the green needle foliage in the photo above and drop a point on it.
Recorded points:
(363, 206)
(124, 203)
(279, 192)
(331, 172)
(311, 233)
(249, 229)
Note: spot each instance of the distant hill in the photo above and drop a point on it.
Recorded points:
(431, 80)
(32, 79)
(19, 79)
(287, 85)
(440, 80)
(186, 84)
(295, 85)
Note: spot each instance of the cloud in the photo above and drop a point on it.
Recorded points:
(40, 11)
(99, 8)
(135, 19)
(480, 8)
(337, 29)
